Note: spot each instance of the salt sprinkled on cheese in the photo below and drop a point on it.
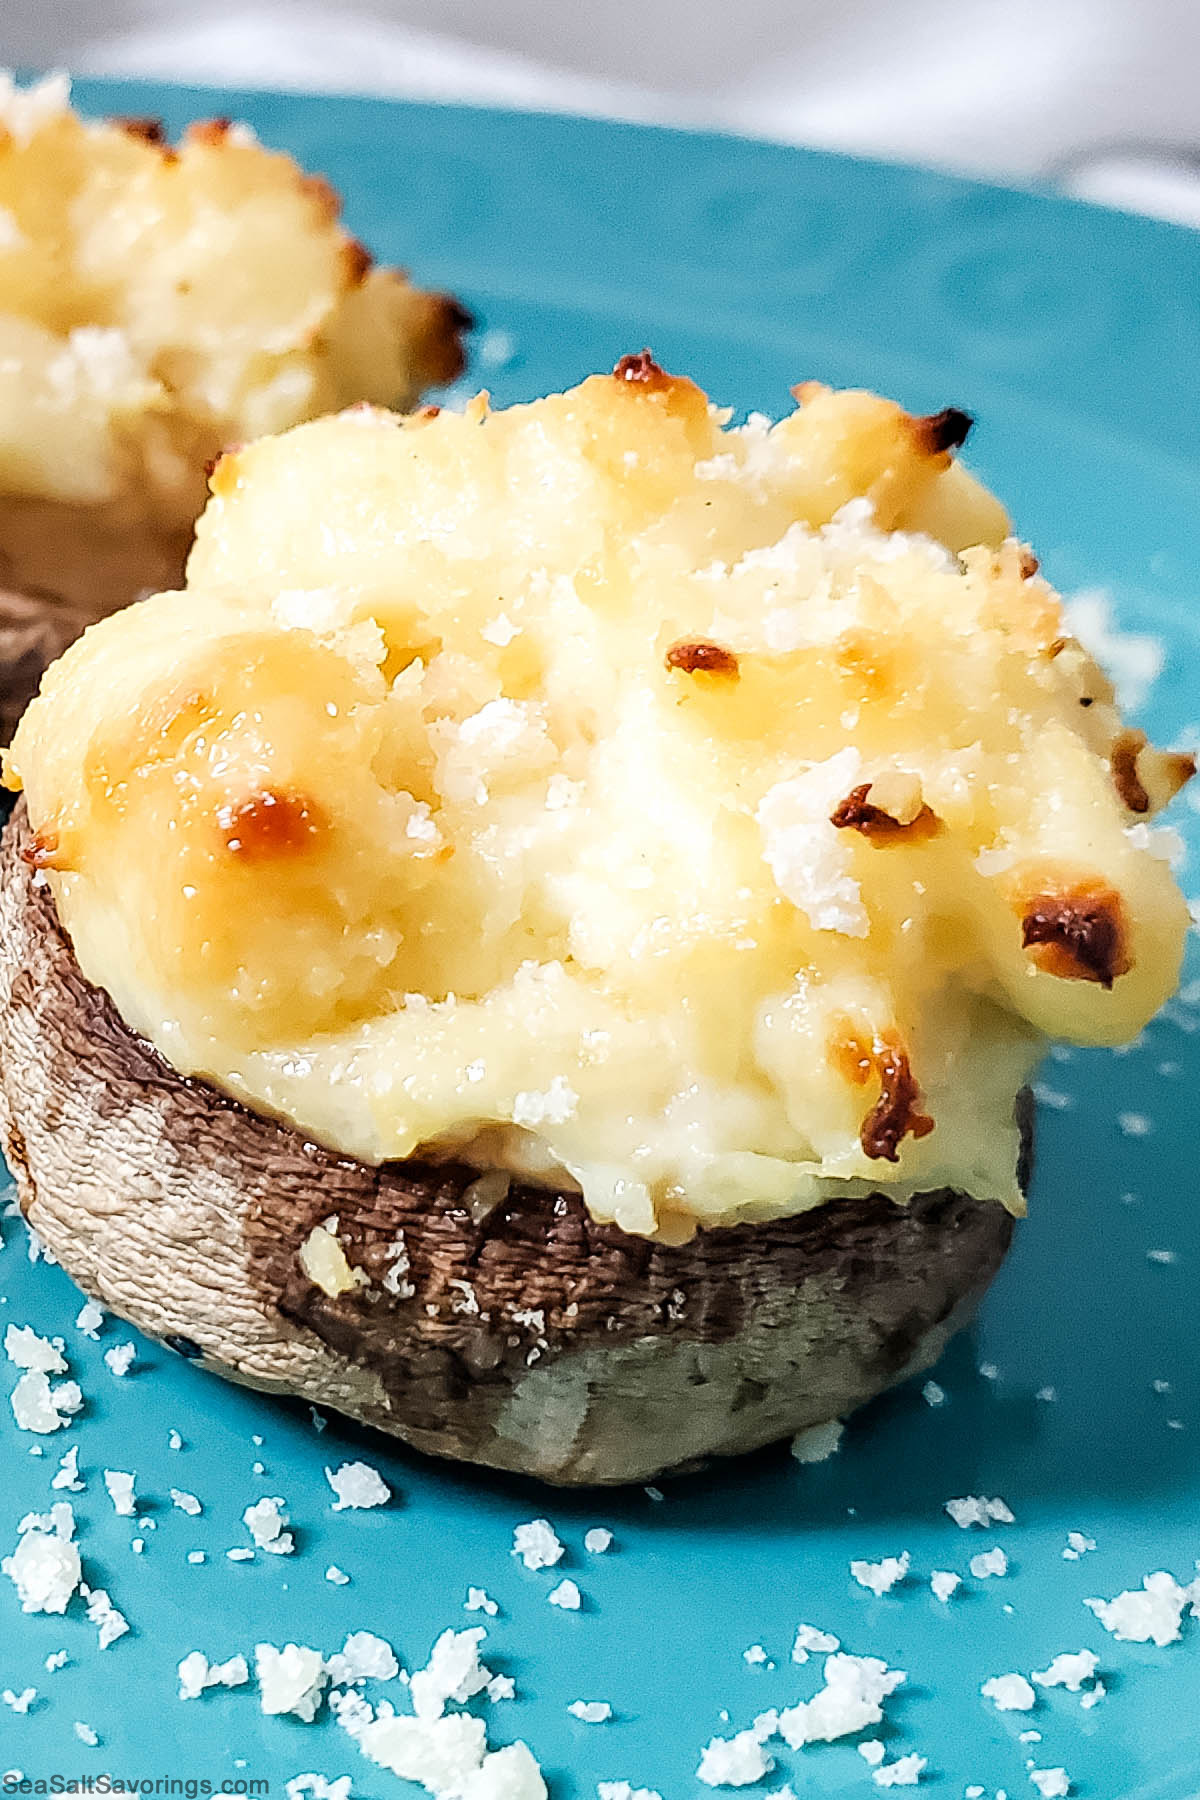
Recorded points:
(944, 1583)
(976, 1510)
(120, 1358)
(357, 1486)
(881, 1577)
(1152, 1614)
(818, 1443)
(904, 1772)
(120, 1491)
(810, 1640)
(110, 1623)
(566, 1595)
(363, 1657)
(27, 1350)
(266, 1521)
(1009, 1693)
(479, 1600)
(850, 1701)
(597, 1540)
(45, 1566)
(808, 856)
(537, 1544)
(1051, 1784)
(989, 1562)
(1069, 1669)
(592, 1712)
(734, 1762)
(289, 1680)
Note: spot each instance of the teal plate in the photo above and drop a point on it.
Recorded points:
(1074, 336)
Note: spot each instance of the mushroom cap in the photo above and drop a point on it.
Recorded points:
(526, 1336)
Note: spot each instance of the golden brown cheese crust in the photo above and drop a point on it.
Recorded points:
(560, 786)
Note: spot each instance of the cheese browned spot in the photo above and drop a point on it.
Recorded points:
(940, 432)
(699, 657)
(894, 1115)
(41, 852)
(856, 813)
(1078, 936)
(149, 130)
(1123, 760)
(641, 366)
(269, 824)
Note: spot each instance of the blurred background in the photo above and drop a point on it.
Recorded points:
(1100, 97)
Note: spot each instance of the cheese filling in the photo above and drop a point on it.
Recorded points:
(718, 819)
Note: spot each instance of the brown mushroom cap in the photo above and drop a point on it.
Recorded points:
(532, 1339)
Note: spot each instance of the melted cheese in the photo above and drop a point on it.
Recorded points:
(479, 793)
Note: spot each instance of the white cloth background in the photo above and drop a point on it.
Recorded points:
(1103, 95)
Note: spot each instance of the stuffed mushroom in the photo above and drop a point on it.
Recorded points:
(541, 946)
(157, 304)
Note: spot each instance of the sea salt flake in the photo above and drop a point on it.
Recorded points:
(357, 1487)
(881, 1577)
(109, 1622)
(89, 1319)
(1009, 1693)
(363, 1657)
(818, 1443)
(537, 1544)
(1069, 1669)
(597, 1540)
(27, 1350)
(592, 1712)
(120, 1358)
(734, 1762)
(944, 1583)
(290, 1680)
(810, 1640)
(1051, 1784)
(86, 1734)
(479, 1600)
(975, 1509)
(906, 1771)
(566, 1595)
(68, 1475)
(1151, 1614)
(266, 1521)
(186, 1503)
(850, 1701)
(933, 1394)
(337, 1576)
(20, 1703)
(120, 1491)
(988, 1563)
(40, 1408)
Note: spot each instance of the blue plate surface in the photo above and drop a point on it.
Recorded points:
(1074, 336)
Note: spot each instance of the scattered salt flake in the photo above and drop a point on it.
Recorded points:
(68, 1475)
(337, 1576)
(27, 1350)
(881, 1577)
(1077, 1545)
(453, 1672)
(809, 1640)
(1134, 1125)
(1029, 1737)
(120, 1358)
(734, 1762)
(38, 1407)
(357, 1487)
(974, 1792)
(479, 1600)
(197, 1556)
(597, 1540)
(989, 1562)
(196, 1673)
(1151, 1614)
(1051, 1784)
(622, 1790)
(120, 1491)
(904, 1772)
(500, 1687)
(989, 1371)
(186, 1503)
(566, 1595)
(975, 1509)
(872, 1751)
(655, 1494)
(933, 1394)
(174, 1441)
(944, 1583)
(754, 1655)
(266, 1521)
(85, 1734)
(1069, 1669)
(289, 1680)
(240, 1553)
(592, 1712)
(20, 1703)
(1161, 1256)
(1047, 1395)
(850, 1701)
(57, 1659)
(443, 1754)
(89, 1319)
(538, 1544)
(45, 1568)
(110, 1623)
(363, 1657)
(818, 1443)
(1094, 1696)
(319, 1421)
(1009, 1693)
